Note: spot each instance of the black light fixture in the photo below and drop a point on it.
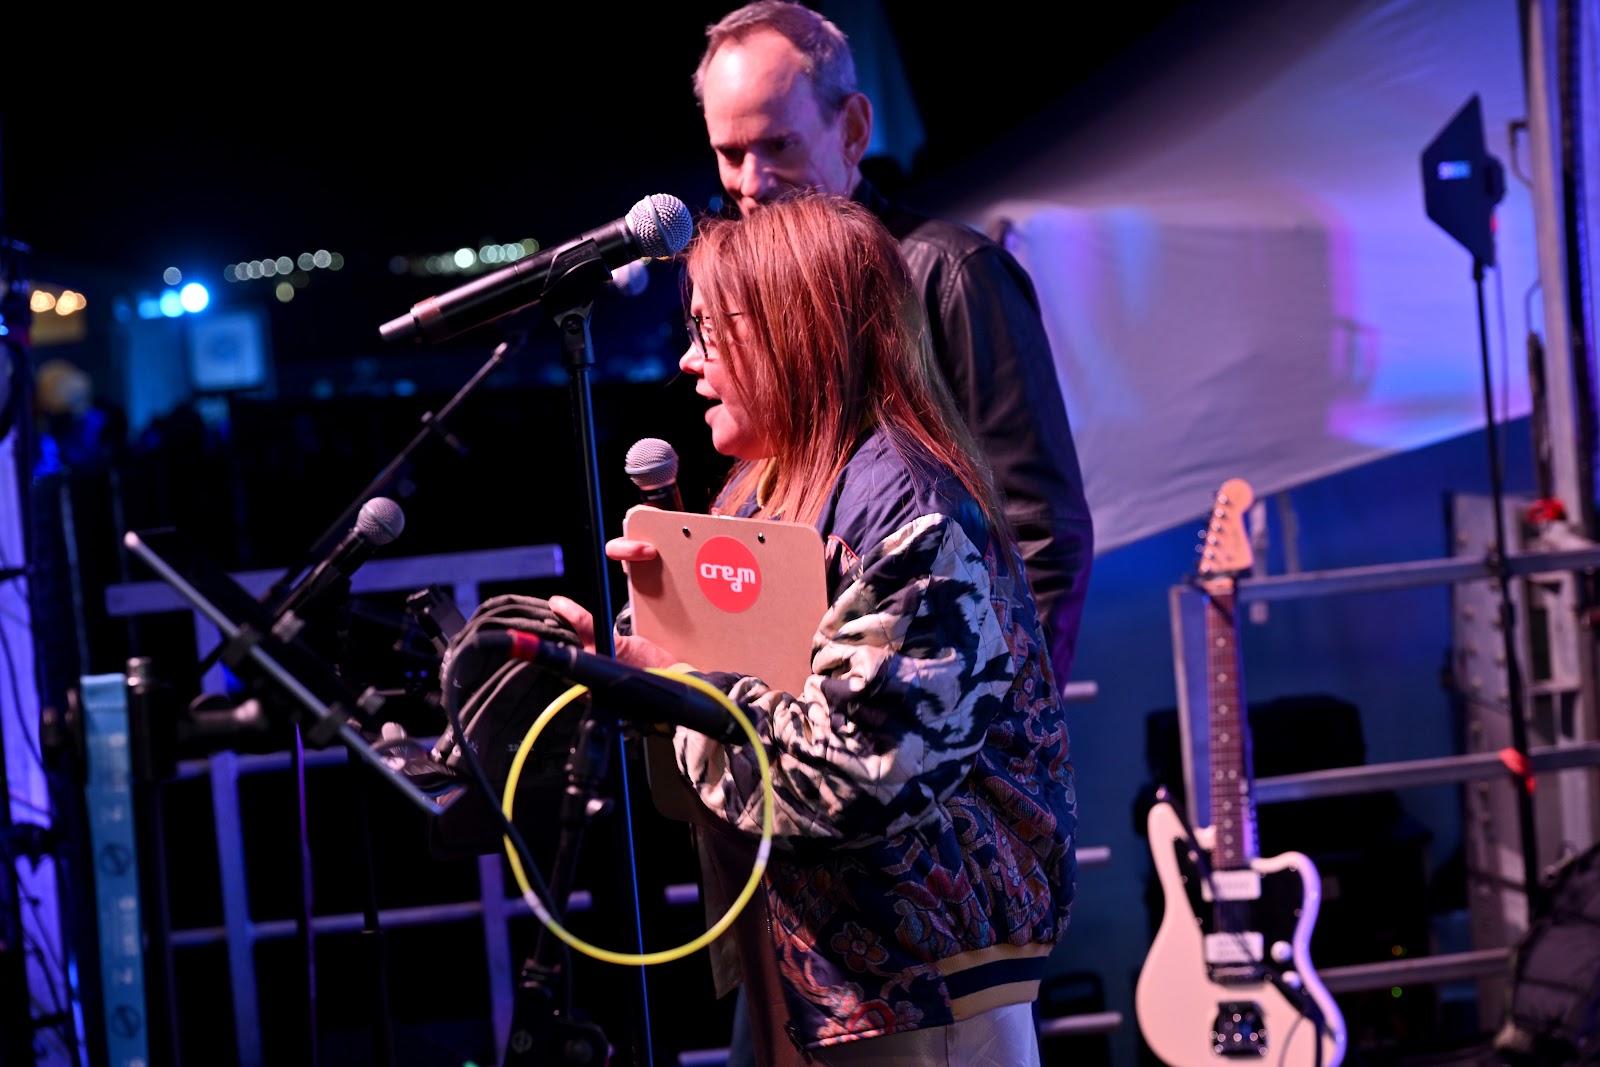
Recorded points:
(1462, 182)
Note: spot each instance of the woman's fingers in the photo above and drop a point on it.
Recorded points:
(578, 617)
(628, 550)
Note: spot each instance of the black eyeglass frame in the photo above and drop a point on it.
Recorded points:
(692, 324)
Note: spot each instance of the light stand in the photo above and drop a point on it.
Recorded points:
(1462, 183)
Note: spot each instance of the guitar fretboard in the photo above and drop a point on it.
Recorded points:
(1233, 816)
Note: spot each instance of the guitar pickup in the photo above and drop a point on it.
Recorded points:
(1232, 884)
(1239, 947)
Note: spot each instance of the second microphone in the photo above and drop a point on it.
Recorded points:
(657, 227)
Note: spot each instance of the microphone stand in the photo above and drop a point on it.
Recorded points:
(371, 932)
(538, 1034)
(432, 426)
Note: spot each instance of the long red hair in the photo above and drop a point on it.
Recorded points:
(834, 344)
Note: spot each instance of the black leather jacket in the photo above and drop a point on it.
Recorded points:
(990, 339)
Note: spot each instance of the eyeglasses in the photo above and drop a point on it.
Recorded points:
(702, 329)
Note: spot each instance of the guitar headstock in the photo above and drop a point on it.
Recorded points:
(1225, 547)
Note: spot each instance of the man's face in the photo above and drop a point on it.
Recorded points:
(766, 127)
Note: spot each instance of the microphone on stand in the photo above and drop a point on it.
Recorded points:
(653, 465)
(379, 522)
(657, 227)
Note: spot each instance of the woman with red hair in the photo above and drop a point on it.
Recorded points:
(926, 818)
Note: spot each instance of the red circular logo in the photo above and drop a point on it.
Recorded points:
(728, 574)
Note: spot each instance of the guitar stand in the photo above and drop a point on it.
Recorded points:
(1197, 855)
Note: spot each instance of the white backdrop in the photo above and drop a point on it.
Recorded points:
(1238, 273)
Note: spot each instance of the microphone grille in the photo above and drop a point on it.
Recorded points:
(661, 224)
(381, 520)
(651, 462)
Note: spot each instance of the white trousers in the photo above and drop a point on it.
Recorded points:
(1001, 1037)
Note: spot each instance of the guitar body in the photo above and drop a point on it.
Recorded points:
(1229, 976)
(1188, 993)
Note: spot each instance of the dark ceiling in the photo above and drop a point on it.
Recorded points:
(424, 135)
(415, 134)
(418, 136)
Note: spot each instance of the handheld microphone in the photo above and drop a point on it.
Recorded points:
(379, 522)
(654, 699)
(653, 465)
(657, 227)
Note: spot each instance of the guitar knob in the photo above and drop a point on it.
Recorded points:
(1282, 952)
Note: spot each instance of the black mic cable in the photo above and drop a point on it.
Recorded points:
(680, 701)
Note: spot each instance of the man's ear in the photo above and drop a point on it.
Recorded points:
(857, 118)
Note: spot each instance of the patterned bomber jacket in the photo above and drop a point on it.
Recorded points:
(925, 820)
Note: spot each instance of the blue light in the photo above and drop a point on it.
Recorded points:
(47, 460)
(171, 303)
(194, 297)
(1454, 169)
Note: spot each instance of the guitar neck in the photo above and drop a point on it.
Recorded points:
(1233, 816)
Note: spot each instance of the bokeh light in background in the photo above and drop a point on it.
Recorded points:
(194, 297)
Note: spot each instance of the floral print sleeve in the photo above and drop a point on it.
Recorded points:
(909, 666)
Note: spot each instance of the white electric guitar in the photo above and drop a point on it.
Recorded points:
(1229, 973)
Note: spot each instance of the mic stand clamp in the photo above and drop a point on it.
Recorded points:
(321, 731)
